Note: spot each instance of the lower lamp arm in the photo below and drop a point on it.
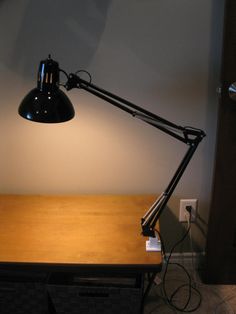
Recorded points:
(149, 220)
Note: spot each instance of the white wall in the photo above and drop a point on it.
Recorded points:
(160, 54)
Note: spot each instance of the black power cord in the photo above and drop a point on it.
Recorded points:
(190, 284)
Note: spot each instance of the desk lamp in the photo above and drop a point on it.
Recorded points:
(48, 104)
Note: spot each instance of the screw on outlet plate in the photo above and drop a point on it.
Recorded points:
(183, 213)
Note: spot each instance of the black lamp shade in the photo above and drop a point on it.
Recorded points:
(47, 103)
(46, 107)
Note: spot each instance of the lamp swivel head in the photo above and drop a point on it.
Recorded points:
(48, 75)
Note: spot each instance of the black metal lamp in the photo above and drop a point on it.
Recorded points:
(47, 103)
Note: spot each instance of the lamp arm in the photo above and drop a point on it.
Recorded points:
(188, 135)
(149, 220)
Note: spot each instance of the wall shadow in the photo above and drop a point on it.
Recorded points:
(215, 54)
(69, 30)
(172, 231)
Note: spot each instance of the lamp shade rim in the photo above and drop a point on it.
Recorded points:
(46, 107)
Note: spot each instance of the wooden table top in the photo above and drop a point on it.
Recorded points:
(75, 230)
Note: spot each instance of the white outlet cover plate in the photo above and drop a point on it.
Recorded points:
(182, 209)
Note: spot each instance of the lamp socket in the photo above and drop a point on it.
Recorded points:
(184, 213)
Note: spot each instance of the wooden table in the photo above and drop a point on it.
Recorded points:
(66, 236)
(86, 230)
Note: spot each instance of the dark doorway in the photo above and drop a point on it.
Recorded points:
(221, 241)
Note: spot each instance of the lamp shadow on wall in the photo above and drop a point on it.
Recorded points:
(69, 30)
(170, 225)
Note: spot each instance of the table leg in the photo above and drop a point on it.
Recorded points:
(148, 288)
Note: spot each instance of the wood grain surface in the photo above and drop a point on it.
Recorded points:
(80, 230)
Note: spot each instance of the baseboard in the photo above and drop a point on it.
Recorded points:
(194, 261)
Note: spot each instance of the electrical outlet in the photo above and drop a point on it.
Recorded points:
(183, 212)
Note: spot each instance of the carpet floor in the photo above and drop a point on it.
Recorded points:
(215, 299)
